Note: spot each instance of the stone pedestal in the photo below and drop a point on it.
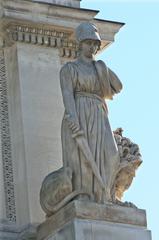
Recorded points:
(90, 221)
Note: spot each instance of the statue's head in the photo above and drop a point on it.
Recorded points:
(87, 35)
(87, 31)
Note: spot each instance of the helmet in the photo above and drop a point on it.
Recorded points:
(86, 31)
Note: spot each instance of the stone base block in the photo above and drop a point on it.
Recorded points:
(81, 220)
(79, 229)
(8, 235)
(10, 231)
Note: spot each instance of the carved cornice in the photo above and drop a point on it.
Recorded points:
(47, 15)
(45, 37)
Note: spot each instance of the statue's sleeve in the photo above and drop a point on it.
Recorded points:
(115, 82)
(67, 77)
(109, 81)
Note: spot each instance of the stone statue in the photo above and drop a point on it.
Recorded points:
(88, 144)
(92, 160)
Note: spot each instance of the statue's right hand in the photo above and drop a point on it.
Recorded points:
(75, 127)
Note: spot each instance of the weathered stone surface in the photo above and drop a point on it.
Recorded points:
(37, 38)
(57, 16)
(55, 187)
(130, 218)
(2, 196)
(41, 111)
(130, 160)
(99, 169)
(70, 3)
(88, 145)
(10, 231)
(97, 230)
(7, 163)
(36, 44)
(56, 190)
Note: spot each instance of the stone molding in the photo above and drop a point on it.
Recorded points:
(92, 211)
(44, 37)
(6, 144)
(58, 16)
(11, 231)
(70, 3)
(44, 11)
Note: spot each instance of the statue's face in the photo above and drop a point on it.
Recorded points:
(89, 48)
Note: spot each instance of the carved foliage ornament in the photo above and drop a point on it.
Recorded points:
(130, 160)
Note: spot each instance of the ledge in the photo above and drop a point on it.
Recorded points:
(35, 10)
(92, 211)
(58, 17)
(50, 17)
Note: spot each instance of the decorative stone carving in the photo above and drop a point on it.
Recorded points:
(45, 37)
(88, 144)
(6, 144)
(4, 39)
(95, 167)
(56, 189)
(58, 184)
(130, 160)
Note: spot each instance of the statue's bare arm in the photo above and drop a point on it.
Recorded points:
(68, 99)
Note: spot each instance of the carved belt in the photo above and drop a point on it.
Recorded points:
(94, 96)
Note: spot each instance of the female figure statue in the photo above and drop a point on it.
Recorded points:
(88, 145)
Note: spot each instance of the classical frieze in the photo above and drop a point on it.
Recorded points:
(6, 144)
(44, 37)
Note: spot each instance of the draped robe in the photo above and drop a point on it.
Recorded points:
(84, 89)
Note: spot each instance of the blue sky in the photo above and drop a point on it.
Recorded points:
(134, 57)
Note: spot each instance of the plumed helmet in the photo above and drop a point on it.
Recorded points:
(86, 31)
